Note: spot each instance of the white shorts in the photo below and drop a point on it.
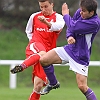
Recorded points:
(74, 66)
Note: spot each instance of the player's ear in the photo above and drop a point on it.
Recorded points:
(52, 4)
(92, 13)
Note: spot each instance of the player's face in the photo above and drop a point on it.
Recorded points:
(46, 8)
(85, 13)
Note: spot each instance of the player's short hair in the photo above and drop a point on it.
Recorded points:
(50, 1)
(90, 5)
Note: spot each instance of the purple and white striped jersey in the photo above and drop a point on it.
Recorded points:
(83, 31)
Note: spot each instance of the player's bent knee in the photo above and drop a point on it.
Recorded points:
(43, 61)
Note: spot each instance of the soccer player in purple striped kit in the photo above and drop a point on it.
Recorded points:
(80, 33)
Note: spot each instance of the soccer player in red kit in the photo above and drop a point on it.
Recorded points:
(42, 30)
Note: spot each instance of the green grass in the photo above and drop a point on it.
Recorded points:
(67, 93)
(12, 44)
(62, 73)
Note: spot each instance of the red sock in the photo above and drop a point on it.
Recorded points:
(31, 60)
(34, 96)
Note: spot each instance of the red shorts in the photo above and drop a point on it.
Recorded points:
(33, 48)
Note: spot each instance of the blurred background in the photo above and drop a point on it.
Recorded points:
(14, 15)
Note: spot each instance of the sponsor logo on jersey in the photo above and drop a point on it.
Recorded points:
(43, 29)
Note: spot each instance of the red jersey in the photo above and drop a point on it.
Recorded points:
(40, 32)
(42, 38)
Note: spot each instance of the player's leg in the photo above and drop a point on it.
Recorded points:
(53, 56)
(82, 85)
(39, 80)
(53, 83)
(38, 71)
(33, 52)
(52, 78)
(38, 84)
(81, 78)
(49, 58)
(31, 60)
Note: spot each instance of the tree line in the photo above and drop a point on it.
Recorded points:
(23, 8)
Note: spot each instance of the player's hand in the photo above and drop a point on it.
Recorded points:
(65, 9)
(42, 19)
(71, 40)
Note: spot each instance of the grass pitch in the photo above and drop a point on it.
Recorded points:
(67, 93)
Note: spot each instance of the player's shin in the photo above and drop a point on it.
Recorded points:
(31, 60)
(49, 70)
(53, 83)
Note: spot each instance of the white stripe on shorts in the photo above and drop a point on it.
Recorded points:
(74, 66)
(32, 48)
